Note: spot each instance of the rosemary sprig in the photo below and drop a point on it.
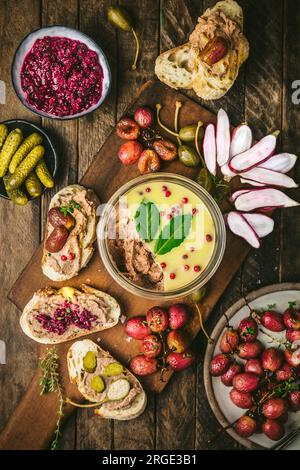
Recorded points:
(51, 382)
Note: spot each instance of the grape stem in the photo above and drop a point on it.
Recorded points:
(137, 49)
(176, 119)
(79, 405)
(209, 339)
(200, 124)
(158, 108)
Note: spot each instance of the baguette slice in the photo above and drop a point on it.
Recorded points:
(231, 9)
(80, 241)
(45, 300)
(173, 67)
(77, 374)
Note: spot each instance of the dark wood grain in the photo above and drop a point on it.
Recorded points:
(181, 417)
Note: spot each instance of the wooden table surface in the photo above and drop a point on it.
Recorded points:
(179, 418)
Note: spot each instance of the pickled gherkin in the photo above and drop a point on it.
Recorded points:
(16, 195)
(44, 174)
(26, 167)
(10, 146)
(33, 185)
(27, 145)
(90, 362)
(3, 134)
(97, 384)
(113, 369)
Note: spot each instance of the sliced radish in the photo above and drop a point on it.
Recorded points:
(241, 140)
(226, 171)
(223, 137)
(261, 224)
(239, 226)
(269, 177)
(263, 198)
(236, 194)
(252, 183)
(254, 156)
(282, 162)
(209, 149)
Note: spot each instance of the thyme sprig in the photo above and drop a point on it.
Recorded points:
(50, 381)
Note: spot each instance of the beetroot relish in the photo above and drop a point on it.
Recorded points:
(66, 314)
(61, 76)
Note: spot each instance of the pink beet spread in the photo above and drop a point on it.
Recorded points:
(61, 76)
(66, 314)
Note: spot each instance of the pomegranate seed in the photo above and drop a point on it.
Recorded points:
(172, 276)
(192, 249)
(208, 238)
(173, 210)
(163, 265)
(168, 193)
(196, 268)
(185, 256)
(164, 188)
(148, 190)
(186, 267)
(63, 258)
(169, 216)
(162, 213)
(72, 256)
(195, 211)
(185, 200)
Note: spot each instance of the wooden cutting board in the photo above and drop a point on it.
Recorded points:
(32, 424)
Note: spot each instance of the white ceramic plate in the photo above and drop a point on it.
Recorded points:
(66, 32)
(218, 395)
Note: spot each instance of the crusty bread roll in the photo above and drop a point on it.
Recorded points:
(77, 375)
(184, 67)
(81, 238)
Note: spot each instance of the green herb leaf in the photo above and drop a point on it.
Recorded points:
(292, 304)
(173, 234)
(70, 207)
(271, 307)
(147, 220)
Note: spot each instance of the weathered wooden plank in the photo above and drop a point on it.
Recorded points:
(290, 220)
(140, 433)
(65, 138)
(19, 235)
(93, 432)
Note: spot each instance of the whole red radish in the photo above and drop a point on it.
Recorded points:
(250, 350)
(292, 335)
(219, 365)
(272, 321)
(245, 382)
(228, 376)
(273, 429)
(272, 359)
(294, 399)
(245, 426)
(273, 408)
(157, 318)
(284, 373)
(177, 341)
(178, 316)
(151, 346)
(229, 341)
(180, 361)
(241, 399)
(142, 365)
(137, 327)
(127, 129)
(292, 357)
(291, 317)
(254, 366)
(130, 152)
(144, 117)
(248, 330)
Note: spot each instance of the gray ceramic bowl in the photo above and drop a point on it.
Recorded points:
(60, 31)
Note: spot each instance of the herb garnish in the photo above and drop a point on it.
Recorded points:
(51, 382)
(70, 207)
(173, 234)
(147, 220)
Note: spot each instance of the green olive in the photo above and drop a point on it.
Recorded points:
(204, 179)
(198, 295)
(188, 133)
(188, 156)
(119, 18)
